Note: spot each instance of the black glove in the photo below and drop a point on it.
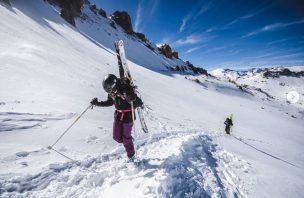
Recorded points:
(94, 102)
(138, 103)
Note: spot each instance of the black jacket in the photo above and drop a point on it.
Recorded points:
(228, 122)
(122, 99)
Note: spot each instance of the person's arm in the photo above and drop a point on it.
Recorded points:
(107, 103)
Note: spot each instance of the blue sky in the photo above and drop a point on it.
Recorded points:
(221, 33)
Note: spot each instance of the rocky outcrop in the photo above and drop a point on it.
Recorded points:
(124, 20)
(113, 24)
(190, 67)
(197, 70)
(175, 55)
(5, 2)
(93, 8)
(69, 9)
(141, 36)
(282, 72)
(102, 13)
(167, 51)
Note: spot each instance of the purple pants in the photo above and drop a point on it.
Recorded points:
(122, 134)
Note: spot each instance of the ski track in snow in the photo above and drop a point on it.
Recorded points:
(176, 164)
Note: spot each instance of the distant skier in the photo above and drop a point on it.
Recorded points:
(122, 95)
(228, 124)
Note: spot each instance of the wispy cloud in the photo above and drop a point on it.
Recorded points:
(228, 25)
(184, 22)
(271, 54)
(203, 8)
(287, 56)
(252, 14)
(194, 49)
(192, 39)
(215, 49)
(233, 52)
(149, 7)
(278, 41)
(211, 29)
(153, 4)
(244, 17)
(138, 17)
(273, 27)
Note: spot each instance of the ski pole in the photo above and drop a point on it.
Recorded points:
(134, 130)
(62, 154)
(50, 147)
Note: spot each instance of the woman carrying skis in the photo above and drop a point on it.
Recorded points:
(122, 95)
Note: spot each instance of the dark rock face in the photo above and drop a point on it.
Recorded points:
(141, 36)
(94, 9)
(282, 72)
(68, 16)
(102, 13)
(150, 46)
(175, 55)
(6, 2)
(124, 20)
(145, 41)
(113, 24)
(167, 51)
(69, 9)
(197, 70)
(189, 67)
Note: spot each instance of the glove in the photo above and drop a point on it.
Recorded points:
(94, 102)
(137, 102)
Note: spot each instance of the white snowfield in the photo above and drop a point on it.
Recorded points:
(50, 71)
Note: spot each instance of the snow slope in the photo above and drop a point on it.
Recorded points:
(273, 89)
(51, 70)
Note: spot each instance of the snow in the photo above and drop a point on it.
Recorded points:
(51, 70)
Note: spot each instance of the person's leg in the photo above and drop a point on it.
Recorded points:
(127, 139)
(118, 131)
(227, 129)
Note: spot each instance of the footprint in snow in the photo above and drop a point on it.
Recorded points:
(22, 154)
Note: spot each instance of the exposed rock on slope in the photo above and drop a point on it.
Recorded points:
(167, 51)
(101, 12)
(6, 2)
(69, 9)
(276, 73)
(124, 20)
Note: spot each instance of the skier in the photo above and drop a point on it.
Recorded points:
(228, 124)
(122, 95)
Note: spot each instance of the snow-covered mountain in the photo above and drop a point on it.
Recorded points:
(271, 84)
(50, 71)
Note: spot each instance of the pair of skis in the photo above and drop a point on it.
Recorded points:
(124, 71)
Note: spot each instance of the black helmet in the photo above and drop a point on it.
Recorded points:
(109, 82)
